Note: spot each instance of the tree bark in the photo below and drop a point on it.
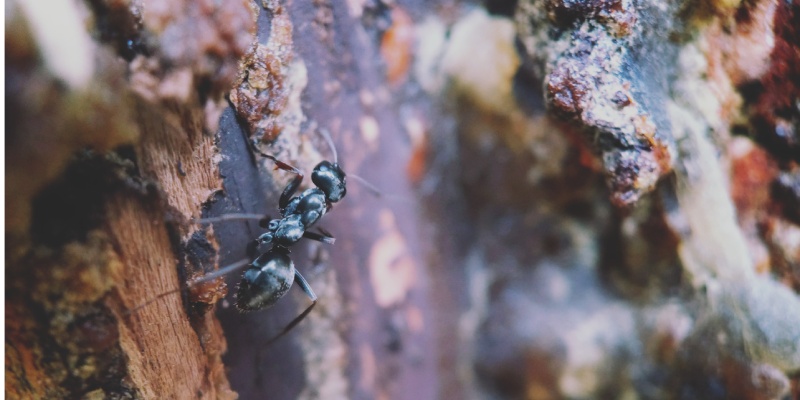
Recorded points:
(578, 199)
(122, 222)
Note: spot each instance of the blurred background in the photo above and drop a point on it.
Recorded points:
(578, 199)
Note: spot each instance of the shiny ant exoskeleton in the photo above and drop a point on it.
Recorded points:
(271, 275)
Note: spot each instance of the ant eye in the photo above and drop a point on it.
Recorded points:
(265, 238)
(273, 224)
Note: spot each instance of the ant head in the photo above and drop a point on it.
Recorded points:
(331, 180)
(267, 279)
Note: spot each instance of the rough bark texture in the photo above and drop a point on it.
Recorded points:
(581, 199)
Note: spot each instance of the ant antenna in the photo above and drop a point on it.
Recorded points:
(377, 192)
(370, 187)
(325, 134)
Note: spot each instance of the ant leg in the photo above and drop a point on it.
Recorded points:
(291, 188)
(151, 301)
(300, 281)
(231, 217)
(327, 239)
(205, 278)
(220, 272)
(324, 231)
(375, 191)
(292, 324)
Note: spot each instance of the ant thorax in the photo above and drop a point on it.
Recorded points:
(311, 205)
(283, 232)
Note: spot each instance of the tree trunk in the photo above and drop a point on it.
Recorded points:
(577, 199)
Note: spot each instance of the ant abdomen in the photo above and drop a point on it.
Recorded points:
(266, 280)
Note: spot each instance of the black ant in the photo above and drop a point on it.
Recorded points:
(270, 276)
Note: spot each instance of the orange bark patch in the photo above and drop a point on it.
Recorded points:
(396, 46)
(392, 270)
(752, 172)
